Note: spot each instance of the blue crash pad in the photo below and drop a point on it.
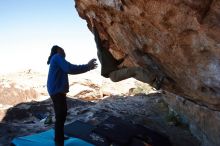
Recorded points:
(46, 139)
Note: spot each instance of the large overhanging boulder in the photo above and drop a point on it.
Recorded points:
(182, 37)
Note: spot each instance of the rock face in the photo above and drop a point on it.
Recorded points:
(203, 122)
(181, 36)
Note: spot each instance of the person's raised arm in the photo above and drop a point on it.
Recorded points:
(75, 69)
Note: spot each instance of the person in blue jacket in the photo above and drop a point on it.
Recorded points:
(58, 86)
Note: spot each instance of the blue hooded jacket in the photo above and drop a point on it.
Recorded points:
(57, 81)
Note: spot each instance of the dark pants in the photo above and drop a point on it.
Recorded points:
(60, 108)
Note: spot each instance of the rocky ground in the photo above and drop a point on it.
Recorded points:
(91, 99)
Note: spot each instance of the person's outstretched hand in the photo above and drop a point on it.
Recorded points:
(92, 64)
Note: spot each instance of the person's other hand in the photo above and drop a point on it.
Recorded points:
(92, 64)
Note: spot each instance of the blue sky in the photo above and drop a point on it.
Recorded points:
(29, 28)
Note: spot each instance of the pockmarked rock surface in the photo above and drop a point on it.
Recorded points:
(181, 37)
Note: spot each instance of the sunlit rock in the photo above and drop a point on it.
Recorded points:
(181, 36)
